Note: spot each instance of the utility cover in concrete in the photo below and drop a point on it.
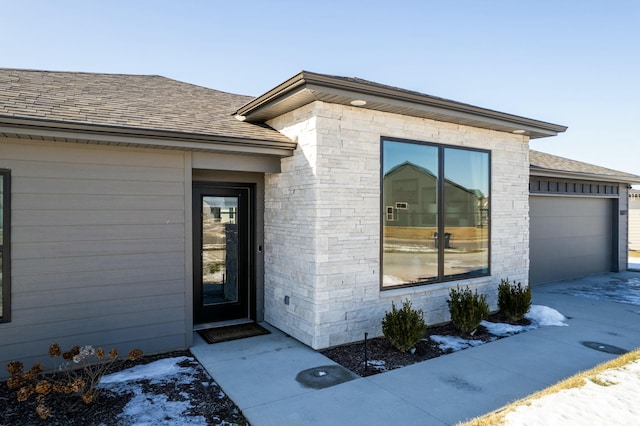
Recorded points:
(603, 347)
(325, 376)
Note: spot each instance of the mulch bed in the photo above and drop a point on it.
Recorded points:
(379, 349)
(206, 399)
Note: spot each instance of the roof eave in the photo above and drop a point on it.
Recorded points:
(543, 172)
(152, 138)
(306, 87)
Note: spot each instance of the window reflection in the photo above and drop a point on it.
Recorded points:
(466, 209)
(410, 199)
(4, 250)
(219, 250)
(412, 227)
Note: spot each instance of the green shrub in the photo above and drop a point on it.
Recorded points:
(514, 300)
(467, 309)
(404, 327)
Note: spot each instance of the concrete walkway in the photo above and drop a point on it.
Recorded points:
(259, 373)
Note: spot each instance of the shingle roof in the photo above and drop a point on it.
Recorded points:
(541, 161)
(149, 102)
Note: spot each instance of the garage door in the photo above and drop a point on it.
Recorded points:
(569, 237)
(634, 223)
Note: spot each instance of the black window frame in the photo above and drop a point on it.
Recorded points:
(5, 246)
(441, 278)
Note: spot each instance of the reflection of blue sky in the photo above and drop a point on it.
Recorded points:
(469, 169)
(221, 202)
(396, 153)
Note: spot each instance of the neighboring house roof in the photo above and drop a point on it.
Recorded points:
(408, 164)
(543, 164)
(129, 105)
(306, 87)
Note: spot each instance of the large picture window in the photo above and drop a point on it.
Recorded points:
(5, 229)
(435, 213)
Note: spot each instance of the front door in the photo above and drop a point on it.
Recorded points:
(221, 255)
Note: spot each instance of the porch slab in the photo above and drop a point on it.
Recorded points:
(259, 373)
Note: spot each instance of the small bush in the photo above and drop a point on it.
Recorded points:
(467, 309)
(404, 327)
(514, 300)
(80, 370)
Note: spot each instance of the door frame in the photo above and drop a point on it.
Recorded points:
(200, 188)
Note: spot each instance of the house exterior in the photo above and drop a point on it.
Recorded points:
(138, 208)
(634, 219)
(580, 217)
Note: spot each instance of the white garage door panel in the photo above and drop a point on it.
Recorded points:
(569, 237)
(634, 224)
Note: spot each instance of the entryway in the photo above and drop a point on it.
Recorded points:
(222, 247)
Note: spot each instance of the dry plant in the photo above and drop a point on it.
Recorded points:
(79, 373)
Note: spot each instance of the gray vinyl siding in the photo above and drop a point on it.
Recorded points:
(98, 248)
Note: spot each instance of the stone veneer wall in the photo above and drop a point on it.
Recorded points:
(322, 222)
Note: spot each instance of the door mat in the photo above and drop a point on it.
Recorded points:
(232, 332)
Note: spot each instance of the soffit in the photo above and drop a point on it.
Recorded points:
(308, 87)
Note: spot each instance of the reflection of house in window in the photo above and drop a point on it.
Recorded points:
(390, 214)
(413, 188)
(413, 191)
(222, 214)
(463, 206)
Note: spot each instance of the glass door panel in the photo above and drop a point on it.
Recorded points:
(221, 253)
(219, 250)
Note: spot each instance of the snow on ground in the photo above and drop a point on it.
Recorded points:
(377, 364)
(454, 343)
(612, 399)
(539, 316)
(545, 316)
(155, 372)
(152, 409)
(621, 291)
(392, 280)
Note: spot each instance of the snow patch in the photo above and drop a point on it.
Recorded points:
(392, 280)
(454, 343)
(154, 371)
(377, 364)
(545, 316)
(538, 315)
(503, 330)
(149, 409)
(145, 409)
(620, 291)
(613, 404)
